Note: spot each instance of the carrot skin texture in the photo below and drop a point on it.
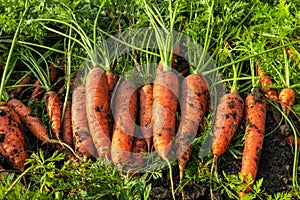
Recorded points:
(53, 109)
(255, 129)
(12, 139)
(165, 92)
(228, 116)
(112, 81)
(146, 102)
(83, 142)
(193, 105)
(125, 117)
(139, 147)
(29, 119)
(287, 99)
(97, 108)
(67, 136)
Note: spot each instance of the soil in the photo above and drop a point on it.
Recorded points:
(276, 165)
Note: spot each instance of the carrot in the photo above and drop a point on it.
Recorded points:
(97, 107)
(53, 109)
(139, 147)
(193, 105)
(32, 122)
(265, 81)
(165, 91)
(112, 82)
(125, 116)
(37, 92)
(83, 142)
(67, 136)
(228, 116)
(255, 129)
(146, 102)
(12, 142)
(17, 91)
(287, 99)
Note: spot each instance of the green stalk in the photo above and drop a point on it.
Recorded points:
(5, 71)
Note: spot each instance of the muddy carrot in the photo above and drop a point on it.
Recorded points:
(12, 142)
(112, 82)
(255, 129)
(67, 136)
(193, 103)
(125, 115)
(97, 108)
(54, 113)
(139, 148)
(83, 142)
(146, 102)
(29, 119)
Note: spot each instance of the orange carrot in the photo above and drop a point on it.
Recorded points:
(53, 109)
(83, 142)
(97, 107)
(17, 91)
(37, 92)
(265, 81)
(12, 142)
(291, 54)
(165, 91)
(228, 116)
(287, 99)
(112, 82)
(32, 122)
(125, 116)
(67, 136)
(139, 147)
(193, 105)
(146, 102)
(255, 129)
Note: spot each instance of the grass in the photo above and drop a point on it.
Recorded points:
(234, 33)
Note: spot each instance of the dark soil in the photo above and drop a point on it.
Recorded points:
(276, 165)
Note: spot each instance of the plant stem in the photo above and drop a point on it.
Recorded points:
(5, 71)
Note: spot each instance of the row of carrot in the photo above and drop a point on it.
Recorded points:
(95, 130)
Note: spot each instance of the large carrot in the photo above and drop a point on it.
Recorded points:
(165, 91)
(83, 142)
(29, 119)
(12, 142)
(66, 135)
(17, 91)
(125, 109)
(255, 129)
(97, 108)
(146, 102)
(193, 104)
(54, 113)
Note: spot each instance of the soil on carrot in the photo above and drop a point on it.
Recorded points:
(275, 167)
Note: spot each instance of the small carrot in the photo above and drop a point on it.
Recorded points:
(67, 136)
(53, 109)
(112, 81)
(146, 102)
(29, 119)
(37, 92)
(194, 99)
(17, 91)
(83, 142)
(291, 54)
(139, 147)
(125, 116)
(255, 129)
(287, 99)
(12, 141)
(97, 108)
